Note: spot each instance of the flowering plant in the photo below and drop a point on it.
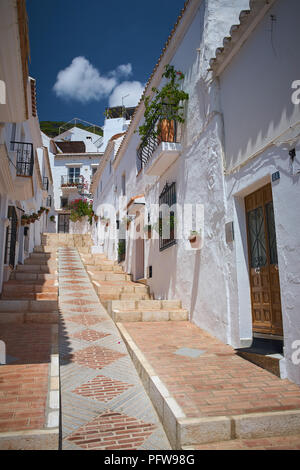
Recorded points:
(81, 208)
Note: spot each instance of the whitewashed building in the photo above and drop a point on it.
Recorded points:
(236, 157)
(25, 172)
(74, 157)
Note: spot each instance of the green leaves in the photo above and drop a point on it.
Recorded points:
(167, 103)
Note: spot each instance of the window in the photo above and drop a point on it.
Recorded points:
(123, 184)
(167, 220)
(63, 202)
(13, 135)
(74, 174)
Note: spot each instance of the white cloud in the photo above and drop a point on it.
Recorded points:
(133, 89)
(81, 81)
(124, 70)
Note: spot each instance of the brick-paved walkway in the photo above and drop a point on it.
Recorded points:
(24, 379)
(217, 382)
(104, 405)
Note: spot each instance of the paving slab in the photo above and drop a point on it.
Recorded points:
(104, 404)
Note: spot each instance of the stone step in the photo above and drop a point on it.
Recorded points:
(51, 317)
(108, 276)
(270, 362)
(30, 276)
(116, 296)
(149, 315)
(104, 267)
(17, 289)
(24, 295)
(39, 261)
(44, 250)
(25, 306)
(35, 284)
(42, 256)
(37, 268)
(122, 287)
(144, 305)
(84, 250)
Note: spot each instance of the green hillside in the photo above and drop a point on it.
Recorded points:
(51, 128)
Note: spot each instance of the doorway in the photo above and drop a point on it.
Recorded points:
(263, 263)
(139, 248)
(63, 223)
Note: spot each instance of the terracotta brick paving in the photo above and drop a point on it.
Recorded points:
(112, 431)
(24, 381)
(216, 383)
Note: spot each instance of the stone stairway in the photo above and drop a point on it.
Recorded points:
(31, 293)
(124, 299)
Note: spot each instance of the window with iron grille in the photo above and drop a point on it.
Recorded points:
(11, 237)
(167, 201)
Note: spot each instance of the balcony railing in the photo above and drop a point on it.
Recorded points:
(25, 158)
(72, 182)
(163, 129)
(45, 183)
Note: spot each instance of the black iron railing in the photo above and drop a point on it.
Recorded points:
(163, 129)
(25, 158)
(69, 181)
(11, 237)
(45, 183)
(167, 222)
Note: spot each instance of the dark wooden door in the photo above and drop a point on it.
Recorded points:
(63, 223)
(263, 262)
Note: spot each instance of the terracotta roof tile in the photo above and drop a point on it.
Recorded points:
(71, 146)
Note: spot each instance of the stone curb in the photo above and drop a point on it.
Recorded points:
(39, 439)
(184, 433)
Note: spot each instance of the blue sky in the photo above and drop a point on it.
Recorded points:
(88, 54)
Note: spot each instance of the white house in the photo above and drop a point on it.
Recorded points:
(219, 176)
(74, 158)
(25, 173)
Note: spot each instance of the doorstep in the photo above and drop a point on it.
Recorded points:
(203, 391)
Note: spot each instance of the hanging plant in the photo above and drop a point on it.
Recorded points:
(166, 106)
(52, 218)
(24, 220)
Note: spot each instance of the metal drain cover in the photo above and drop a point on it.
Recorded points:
(189, 352)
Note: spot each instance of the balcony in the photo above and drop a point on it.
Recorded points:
(161, 147)
(24, 158)
(72, 183)
(21, 156)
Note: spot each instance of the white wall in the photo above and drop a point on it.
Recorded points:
(256, 86)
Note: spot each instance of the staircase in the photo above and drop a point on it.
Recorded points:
(31, 293)
(125, 300)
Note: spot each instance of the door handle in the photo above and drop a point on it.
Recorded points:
(257, 270)
(276, 267)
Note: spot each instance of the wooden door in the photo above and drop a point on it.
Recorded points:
(263, 262)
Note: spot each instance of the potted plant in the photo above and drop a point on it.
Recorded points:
(148, 230)
(166, 107)
(52, 218)
(195, 239)
(24, 220)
